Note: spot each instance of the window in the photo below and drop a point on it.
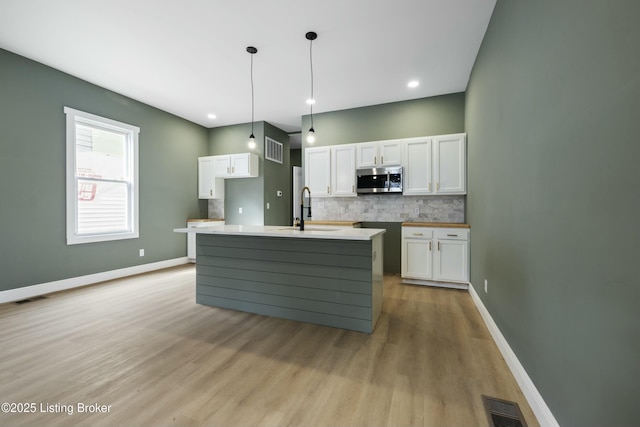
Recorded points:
(102, 178)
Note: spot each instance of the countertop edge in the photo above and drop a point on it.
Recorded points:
(435, 225)
(287, 232)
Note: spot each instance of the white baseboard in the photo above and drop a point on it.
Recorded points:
(535, 400)
(75, 282)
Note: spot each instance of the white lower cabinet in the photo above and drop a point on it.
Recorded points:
(433, 255)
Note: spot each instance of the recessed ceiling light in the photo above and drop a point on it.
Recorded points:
(413, 83)
(311, 101)
(211, 116)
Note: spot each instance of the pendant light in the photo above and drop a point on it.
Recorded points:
(311, 136)
(252, 139)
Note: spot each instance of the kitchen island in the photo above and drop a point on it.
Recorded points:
(322, 275)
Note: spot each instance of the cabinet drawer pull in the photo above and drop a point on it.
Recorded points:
(452, 235)
(418, 234)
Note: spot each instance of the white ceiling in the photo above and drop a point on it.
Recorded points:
(189, 57)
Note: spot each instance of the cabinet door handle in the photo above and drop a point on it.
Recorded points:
(211, 192)
(353, 188)
(233, 169)
(228, 169)
(382, 160)
(429, 245)
(328, 190)
(374, 160)
(429, 187)
(452, 235)
(438, 186)
(438, 246)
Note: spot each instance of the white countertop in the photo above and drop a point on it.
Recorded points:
(310, 231)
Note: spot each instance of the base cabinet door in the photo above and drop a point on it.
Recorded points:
(451, 261)
(416, 252)
(416, 259)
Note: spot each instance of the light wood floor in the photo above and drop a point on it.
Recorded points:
(143, 346)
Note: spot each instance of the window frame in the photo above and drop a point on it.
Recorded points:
(131, 133)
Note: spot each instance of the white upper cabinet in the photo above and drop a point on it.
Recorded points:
(417, 177)
(390, 153)
(449, 167)
(343, 170)
(209, 186)
(380, 153)
(317, 171)
(367, 154)
(243, 165)
(435, 165)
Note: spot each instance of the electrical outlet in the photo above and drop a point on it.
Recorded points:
(416, 211)
(343, 210)
(240, 210)
(268, 205)
(141, 252)
(486, 286)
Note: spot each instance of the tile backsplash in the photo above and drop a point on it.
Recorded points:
(377, 208)
(389, 208)
(216, 208)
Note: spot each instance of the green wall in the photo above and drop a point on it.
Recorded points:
(32, 176)
(252, 194)
(277, 177)
(551, 115)
(419, 117)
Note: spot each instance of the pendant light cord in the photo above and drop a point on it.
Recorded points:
(311, 63)
(252, 108)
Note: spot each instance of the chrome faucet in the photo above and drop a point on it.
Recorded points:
(302, 207)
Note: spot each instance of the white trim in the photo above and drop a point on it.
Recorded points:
(131, 132)
(75, 282)
(534, 398)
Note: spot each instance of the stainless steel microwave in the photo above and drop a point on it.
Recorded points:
(379, 180)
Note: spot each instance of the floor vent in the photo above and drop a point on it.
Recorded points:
(503, 413)
(24, 301)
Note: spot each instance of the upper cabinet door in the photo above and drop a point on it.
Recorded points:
(343, 170)
(417, 168)
(244, 165)
(390, 153)
(317, 171)
(450, 164)
(222, 165)
(367, 154)
(209, 186)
